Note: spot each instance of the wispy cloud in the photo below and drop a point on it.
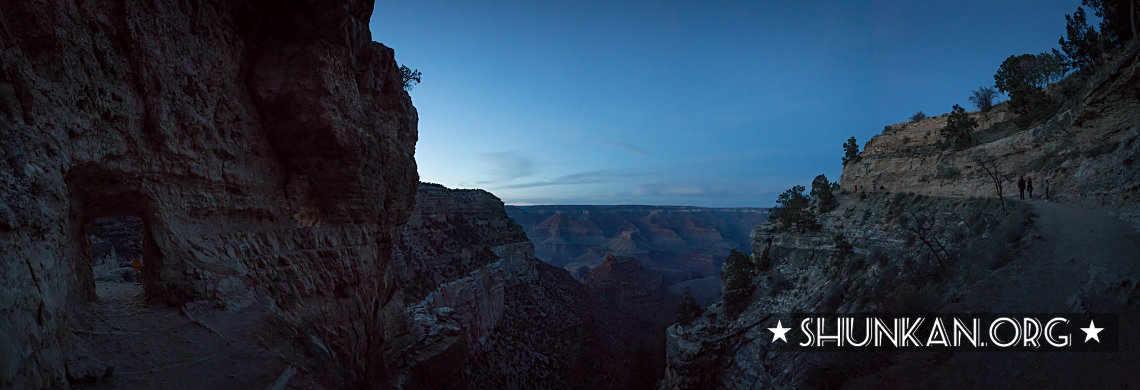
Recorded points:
(635, 150)
(599, 176)
(507, 166)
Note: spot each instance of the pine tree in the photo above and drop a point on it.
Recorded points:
(959, 127)
(850, 151)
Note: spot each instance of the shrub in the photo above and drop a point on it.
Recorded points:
(917, 116)
(410, 76)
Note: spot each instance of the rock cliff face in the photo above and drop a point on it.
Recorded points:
(475, 309)
(1039, 258)
(1089, 152)
(681, 243)
(267, 147)
(937, 241)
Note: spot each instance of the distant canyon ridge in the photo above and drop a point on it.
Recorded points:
(686, 245)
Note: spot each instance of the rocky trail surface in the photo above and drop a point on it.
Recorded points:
(155, 346)
(1080, 260)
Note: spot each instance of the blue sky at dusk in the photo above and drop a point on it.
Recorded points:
(715, 104)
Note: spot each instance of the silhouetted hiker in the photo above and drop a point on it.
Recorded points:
(1046, 190)
(1029, 187)
(1021, 187)
(137, 265)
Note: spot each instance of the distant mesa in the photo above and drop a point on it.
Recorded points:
(679, 243)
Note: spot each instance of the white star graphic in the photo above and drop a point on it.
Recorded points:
(1091, 332)
(779, 332)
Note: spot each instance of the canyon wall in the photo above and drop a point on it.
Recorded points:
(919, 230)
(474, 308)
(267, 147)
(682, 243)
(1088, 151)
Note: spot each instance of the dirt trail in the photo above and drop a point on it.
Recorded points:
(1077, 260)
(155, 346)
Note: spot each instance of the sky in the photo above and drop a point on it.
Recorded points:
(697, 103)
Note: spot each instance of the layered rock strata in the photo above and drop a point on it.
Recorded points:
(267, 148)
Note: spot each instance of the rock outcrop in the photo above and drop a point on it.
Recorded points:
(1089, 151)
(935, 240)
(266, 147)
(475, 309)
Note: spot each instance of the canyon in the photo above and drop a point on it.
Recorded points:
(258, 158)
(686, 245)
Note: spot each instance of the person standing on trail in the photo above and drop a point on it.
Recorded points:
(1021, 187)
(137, 265)
(1046, 190)
(1029, 187)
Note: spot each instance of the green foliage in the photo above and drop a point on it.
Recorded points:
(824, 193)
(983, 98)
(958, 128)
(737, 277)
(1119, 20)
(1030, 71)
(792, 209)
(1051, 67)
(1081, 43)
(688, 310)
(410, 76)
(850, 151)
(1023, 78)
(1015, 72)
(917, 116)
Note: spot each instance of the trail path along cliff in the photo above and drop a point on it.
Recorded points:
(156, 346)
(1078, 260)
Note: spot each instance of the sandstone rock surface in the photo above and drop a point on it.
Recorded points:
(266, 147)
(474, 308)
(1089, 151)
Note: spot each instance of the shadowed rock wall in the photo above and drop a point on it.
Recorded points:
(267, 146)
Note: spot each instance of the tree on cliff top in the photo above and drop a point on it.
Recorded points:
(958, 128)
(824, 193)
(1084, 45)
(850, 151)
(792, 210)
